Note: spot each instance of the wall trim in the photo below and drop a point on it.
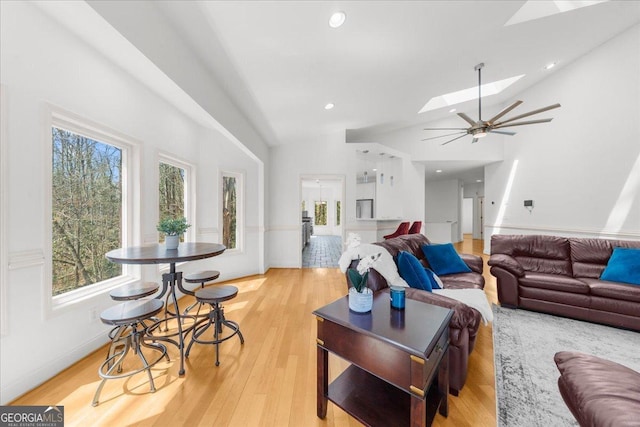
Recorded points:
(26, 259)
(560, 231)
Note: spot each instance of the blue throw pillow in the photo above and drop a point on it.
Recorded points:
(413, 272)
(623, 266)
(436, 283)
(444, 259)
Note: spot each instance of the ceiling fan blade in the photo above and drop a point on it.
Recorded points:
(467, 119)
(529, 122)
(474, 140)
(530, 113)
(451, 140)
(505, 111)
(440, 136)
(502, 132)
(445, 128)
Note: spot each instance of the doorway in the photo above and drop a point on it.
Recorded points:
(322, 220)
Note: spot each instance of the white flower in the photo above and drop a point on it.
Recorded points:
(368, 262)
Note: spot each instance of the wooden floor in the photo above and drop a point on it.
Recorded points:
(270, 381)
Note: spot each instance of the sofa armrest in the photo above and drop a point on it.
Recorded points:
(463, 315)
(474, 262)
(507, 262)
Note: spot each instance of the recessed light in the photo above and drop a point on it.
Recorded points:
(374, 169)
(453, 110)
(550, 66)
(329, 106)
(337, 19)
(478, 180)
(438, 170)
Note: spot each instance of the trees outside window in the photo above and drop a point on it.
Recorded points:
(87, 207)
(338, 212)
(171, 193)
(230, 211)
(320, 213)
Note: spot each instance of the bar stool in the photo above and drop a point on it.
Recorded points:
(128, 318)
(201, 277)
(213, 297)
(128, 293)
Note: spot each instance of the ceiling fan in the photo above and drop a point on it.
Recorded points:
(480, 128)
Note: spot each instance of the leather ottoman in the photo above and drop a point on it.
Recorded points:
(599, 392)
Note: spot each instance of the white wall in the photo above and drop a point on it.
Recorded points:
(467, 215)
(583, 169)
(42, 63)
(476, 192)
(328, 154)
(443, 204)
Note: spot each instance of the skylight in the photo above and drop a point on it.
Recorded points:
(539, 9)
(468, 94)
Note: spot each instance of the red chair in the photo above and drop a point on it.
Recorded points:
(415, 227)
(403, 228)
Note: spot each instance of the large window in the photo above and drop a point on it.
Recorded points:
(320, 213)
(231, 210)
(86, 211)
(171, 193)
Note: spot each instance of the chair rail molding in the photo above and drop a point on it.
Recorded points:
(528, 229)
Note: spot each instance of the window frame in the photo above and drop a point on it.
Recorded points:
(240, 194)
(57, 117)
(189, 192)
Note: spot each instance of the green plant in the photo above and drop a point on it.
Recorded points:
(173, 226)
(358, 281)
(358, 277)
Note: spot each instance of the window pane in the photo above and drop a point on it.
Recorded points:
(338, 212)
(229, 212)
(321, 213)
(171, 194)
(86, 210)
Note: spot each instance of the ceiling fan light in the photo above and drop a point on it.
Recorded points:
(480, 134)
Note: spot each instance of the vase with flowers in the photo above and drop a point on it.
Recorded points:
(360, 296)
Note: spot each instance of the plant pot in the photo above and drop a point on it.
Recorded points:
(360, 302)
(172, 242)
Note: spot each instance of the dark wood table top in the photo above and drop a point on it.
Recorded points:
(412, 329)
(158, 254)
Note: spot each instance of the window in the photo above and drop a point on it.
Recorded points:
(338, 212)
(86, 209)
(231, 210)
(171, 194)
(320, 213)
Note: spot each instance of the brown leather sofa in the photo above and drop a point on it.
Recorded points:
(465, 321)
(598, 392)
(560, 275)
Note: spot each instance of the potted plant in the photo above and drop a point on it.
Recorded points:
(172, 228)
(361, 297)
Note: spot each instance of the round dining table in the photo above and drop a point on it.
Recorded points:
(159, 254)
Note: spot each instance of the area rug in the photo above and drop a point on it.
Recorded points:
(524, 343)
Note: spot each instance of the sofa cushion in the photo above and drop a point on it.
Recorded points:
(615, 290)
(413, 272)
(623, 266)
(537, 253)
(463, 281)
(554, 282)
(444, 259)
(589, 256)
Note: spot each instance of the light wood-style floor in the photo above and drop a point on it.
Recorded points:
(270, 381)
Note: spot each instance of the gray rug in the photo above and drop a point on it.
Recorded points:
(524, 343)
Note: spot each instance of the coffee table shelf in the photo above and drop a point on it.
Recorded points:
(375, 402)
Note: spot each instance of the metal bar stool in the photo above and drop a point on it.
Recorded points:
(128, 318)
(201, 277)
(213, 297)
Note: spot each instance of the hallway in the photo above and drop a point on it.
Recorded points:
(322, 251)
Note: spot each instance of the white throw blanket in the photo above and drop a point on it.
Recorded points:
(474, 298)
(383, 265)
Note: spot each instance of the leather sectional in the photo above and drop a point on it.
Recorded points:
(465, 322)
(561, 276)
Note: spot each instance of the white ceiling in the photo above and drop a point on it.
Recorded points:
(281, 63)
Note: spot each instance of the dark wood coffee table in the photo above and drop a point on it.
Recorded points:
(399, 373)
